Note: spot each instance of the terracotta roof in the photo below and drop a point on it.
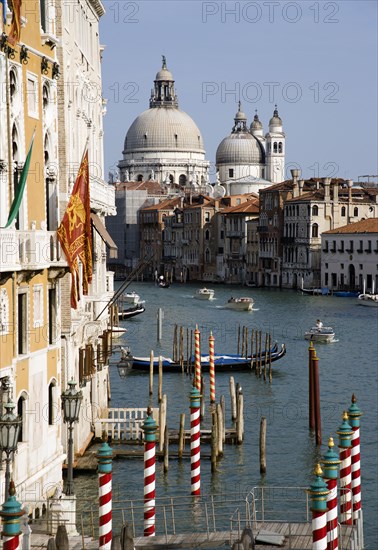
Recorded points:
(149, 186)
(369, 225)
(247, 207)
(167, 204)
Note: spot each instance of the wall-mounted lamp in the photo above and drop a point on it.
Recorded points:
(44, 65)
(55, 71)
(24, 55)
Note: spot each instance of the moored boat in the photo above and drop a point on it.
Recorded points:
(320, 334)
(131, 311)
(131, 297)
(221, 362)
(346, 293)
(240, 304)
(117, 332)
(204, 294)
(368, 300)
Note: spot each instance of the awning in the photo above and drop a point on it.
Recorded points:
(103, 232)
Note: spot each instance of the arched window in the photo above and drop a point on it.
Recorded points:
(355, 211)
(182, 179)
(52, 403)
(21, 411)
(207, 256)
(170, 178)
(275, 147)
(315, 230)
(207, 235)
(343, 211)
(280, 147)
(315, 210)
(139, 177)
(12, 84)
(45, 96)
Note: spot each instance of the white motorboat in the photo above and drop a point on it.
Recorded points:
(117, 332)
(369, 300)
(131, 298)
(204, 294)
(320, 334)
(241, 304)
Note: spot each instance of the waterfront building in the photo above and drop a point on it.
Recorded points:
(81, 111)
(30, 261)
(130, 197)
(235, 236)
(247, 160)
(252, 252)
(328, 205)
(349, 257)
(164, 143)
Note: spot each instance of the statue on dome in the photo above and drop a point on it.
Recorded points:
(164, 62)
(127, 175)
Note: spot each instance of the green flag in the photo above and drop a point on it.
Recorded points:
(21, 187)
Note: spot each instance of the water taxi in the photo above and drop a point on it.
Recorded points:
(240, 304)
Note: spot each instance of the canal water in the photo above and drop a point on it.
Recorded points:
(348, 365)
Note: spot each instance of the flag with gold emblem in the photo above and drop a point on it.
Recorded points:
(15, 30)
(74, 233)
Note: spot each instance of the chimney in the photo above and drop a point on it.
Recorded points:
(350, 185)
(336, 193)
(300, 186)
(295, 175)
(327, 183)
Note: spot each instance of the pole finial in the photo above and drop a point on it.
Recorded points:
(318, 471)
(331, 442)
(12, 488)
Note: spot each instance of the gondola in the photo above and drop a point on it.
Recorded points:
(223, 363)
(131, 311)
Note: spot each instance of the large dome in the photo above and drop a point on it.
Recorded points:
(240, 148)
(163, 129)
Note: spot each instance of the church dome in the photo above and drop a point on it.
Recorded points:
(163, 129)
(240, 148)
(276, 119)
(164, 74)
(256, 124)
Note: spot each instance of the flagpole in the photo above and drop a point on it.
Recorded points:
(10, 164)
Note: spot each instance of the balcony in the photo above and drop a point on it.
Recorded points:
(262, 229)
(102, 196)
(233, 234)
(29, 250)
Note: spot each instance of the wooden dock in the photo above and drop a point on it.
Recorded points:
(297, 536)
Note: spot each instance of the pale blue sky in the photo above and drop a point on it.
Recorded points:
(324, 54)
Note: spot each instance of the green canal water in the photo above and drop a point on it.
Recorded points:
(346, 366)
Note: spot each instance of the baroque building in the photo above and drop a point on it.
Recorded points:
(247, 160)
(164, 143)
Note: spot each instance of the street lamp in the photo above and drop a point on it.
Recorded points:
(71, 401)
(10, 426)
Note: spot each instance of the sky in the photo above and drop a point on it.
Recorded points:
(316, 60)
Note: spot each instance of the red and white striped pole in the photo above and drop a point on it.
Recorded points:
(331, 464)
(345, 435)
(212, 368)
(318, 493)
(11, 514)
(354, 414)
(149, 428)
(104, 456)
(197, 359)
(195, 442)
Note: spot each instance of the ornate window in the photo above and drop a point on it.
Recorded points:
(4, 312)
(315, 230)
(315, 210)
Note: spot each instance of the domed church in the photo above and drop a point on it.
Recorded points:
(247, 160)
(163, 143)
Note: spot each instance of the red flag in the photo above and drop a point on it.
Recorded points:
(74, 232)
(15, 30)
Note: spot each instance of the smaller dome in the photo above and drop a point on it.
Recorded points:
(164, 74)
(240, 115)
(276, 119)
(240, 148)
(256, 124)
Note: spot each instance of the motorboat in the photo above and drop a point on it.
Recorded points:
(221, 362)
(320, 334)
(131, 297)
(368, 300)
(241, 304)
(346, 293)
(117, 332)
(324, 291)
(204, 294)
(131, 311)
